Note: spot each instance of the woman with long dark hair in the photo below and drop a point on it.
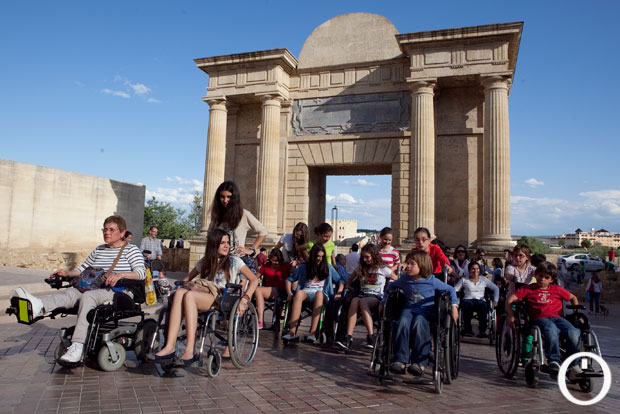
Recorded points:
(204, 287)
(372, 274)
(295, 244)
(315, 280)
(228, 214)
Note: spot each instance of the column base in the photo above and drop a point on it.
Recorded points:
(497, 243)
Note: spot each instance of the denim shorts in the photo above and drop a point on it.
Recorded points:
(311, 294)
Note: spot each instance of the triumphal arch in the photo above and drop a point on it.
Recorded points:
(429, 108)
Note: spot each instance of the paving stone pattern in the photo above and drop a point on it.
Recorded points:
(295, 379)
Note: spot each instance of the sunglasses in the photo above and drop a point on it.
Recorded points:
(460, 251)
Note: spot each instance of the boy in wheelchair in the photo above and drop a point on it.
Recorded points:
(543, 301)
(412, 333)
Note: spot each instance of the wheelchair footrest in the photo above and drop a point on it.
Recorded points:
(591, 374)
(22, 309)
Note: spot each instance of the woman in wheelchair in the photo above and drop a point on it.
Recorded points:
(125, 261)
(473, 301)
(372, 274)
(204, 287)
(412, 330)
(274, 274)
(543, 300)
(314, 281)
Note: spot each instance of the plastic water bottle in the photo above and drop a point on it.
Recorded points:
(164, 285)
(528, 344)
(149, 289)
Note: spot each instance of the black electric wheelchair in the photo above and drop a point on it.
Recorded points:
(109, 335)
(221, 326)
(445, 337)
(522, 345)
(491, 315)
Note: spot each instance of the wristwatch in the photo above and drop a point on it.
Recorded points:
(253, 251)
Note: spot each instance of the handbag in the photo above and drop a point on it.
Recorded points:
(587, 296)
(591, 288)
(204, 285)
(93, 278)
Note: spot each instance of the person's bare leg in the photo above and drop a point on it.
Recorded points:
(261, 294)
(352, 316)
(192, 302)
(174, 322)
(366, 304)
(298, 300)
(316, 312)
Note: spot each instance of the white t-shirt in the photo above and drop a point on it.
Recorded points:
(315, 285)
(288, 247)
(476, 290)
(220, 277)
(374, 283)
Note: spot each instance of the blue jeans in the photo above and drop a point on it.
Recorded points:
(412, 331)
(594, 302)
(551, 329)
(469, 306)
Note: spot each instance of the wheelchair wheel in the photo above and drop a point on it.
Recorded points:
(586, 385)
(242, 335)
(213, 364)
(492, 327)
(508, 348)
(142, 340)
(454, 343)
(440, 359)
(104, 358)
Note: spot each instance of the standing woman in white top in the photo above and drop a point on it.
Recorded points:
(520, 272)
(594, 288)
(218, 267)
(228, 214)
(473, 301)
(294, 244)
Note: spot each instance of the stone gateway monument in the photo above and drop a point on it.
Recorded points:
(429, 108)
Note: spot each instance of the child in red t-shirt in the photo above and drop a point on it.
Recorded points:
(544, 306)
(274, 273)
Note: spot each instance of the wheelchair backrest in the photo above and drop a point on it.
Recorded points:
(230, 296)
(394, 303)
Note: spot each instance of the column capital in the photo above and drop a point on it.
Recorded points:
(271, 99)
(422, 86)
(496, 82)
(219, 101)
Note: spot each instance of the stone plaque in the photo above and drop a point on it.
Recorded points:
(382, 112)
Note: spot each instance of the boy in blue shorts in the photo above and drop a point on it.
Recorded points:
(544, 307)
(412, 336)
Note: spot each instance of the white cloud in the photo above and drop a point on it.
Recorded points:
(138, 88)
(361, 182)
(533, 182)
(78, 83)
(343, 198)
(116, 93)
(604, 202)
(153, 100)
(171, 195)
(195, 184)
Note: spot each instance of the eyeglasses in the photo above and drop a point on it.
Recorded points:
(546, 277)
(108, 230)
(422, 240)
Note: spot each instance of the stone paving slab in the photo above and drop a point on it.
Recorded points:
(296, 379)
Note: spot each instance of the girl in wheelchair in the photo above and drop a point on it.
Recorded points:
(412, 337)
(274, 274)
(203, 289)
(474, 301)
(372, 274)
(543, 300)
(314, 280)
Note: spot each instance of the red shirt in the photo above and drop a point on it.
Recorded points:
(438, 259)
(611, 253)
(275, 277)
(542, 303)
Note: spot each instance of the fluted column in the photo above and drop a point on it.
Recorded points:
(496, 147)
(269, 165)
(215, 159)
(422, 158)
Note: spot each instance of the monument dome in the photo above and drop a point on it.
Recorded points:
(350, 38)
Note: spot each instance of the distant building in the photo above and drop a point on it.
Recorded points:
(600, 237)
(343, 229)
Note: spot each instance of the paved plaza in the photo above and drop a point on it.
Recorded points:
(302, 378)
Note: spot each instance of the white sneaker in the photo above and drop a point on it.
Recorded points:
(74, 353)
(290, 337)
(574, 372)
(37, 304)
(311, 339)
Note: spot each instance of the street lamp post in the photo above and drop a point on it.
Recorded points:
(335, 221)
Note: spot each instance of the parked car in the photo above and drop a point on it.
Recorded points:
(593, 263)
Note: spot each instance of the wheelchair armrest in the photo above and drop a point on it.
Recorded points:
(575, 307)
(60, 282)
(179, 282)
(233, 286)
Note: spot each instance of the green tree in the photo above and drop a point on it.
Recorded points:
(535, 245)
(195, 212)
(171, 222)
(586, 243)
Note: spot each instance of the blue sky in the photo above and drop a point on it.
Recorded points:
(110, 89)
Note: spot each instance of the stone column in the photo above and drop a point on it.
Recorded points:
(422, 158)
(269, 164)
(496, 148)
(216, 156)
